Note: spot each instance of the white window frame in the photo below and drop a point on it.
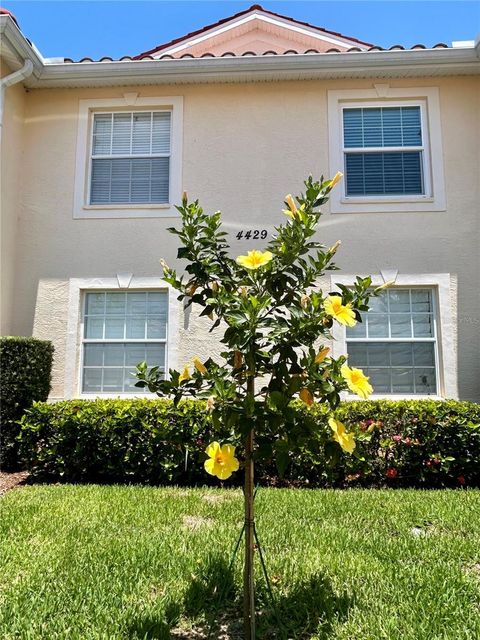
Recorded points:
(122, 341)
(433, 176)
(445, 334)
(129, 103)
(111, 156)
(74, 342)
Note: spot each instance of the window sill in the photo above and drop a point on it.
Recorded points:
(396, 204)
(376, 199)
(116, 396)
(126, 211)
(394, 396)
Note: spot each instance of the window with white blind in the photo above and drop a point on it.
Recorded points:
(396, 343)
(387, 141)
(130, 158)
(120, 330)
(383, 149)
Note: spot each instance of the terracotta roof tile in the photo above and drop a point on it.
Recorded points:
(254, 7)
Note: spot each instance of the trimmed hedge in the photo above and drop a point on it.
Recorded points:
(25, 369)
(401, 443)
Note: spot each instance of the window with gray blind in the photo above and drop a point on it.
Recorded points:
(130, 161)
(396, 344)
(383, 151)
(120, 330)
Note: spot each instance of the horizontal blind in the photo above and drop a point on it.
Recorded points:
(375, 172)
(119, 178)
(382, 127)
(395, 342)
(384, 173)
(122, 329)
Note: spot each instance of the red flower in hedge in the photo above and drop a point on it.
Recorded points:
(408, 442)
(391, 473)
(461, 480)
(397, 438)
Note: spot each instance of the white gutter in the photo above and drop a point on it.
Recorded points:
(11, 79)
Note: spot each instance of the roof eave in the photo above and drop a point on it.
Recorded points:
(17, 48)
(421, 62)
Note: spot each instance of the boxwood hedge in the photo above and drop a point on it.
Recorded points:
(25, 367)
(401, 443)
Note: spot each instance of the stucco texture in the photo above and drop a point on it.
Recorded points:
(245, 146)
(10, 203)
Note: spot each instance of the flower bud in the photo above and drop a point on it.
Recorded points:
(184, 198)
(336, 178)
(334, 247)
(321, 355)
(191, 289)
(305, 301)
(291, 203)
(306, 397)
(385, 285)
(164, 265)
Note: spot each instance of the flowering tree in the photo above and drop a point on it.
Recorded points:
(276, 321)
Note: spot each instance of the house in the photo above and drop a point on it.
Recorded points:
(95, 154)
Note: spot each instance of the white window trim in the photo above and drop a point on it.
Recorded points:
(446, 365)
(74, 340)
(428, 99)
(81, 206)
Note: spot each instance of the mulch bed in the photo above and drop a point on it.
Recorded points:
(10, 481)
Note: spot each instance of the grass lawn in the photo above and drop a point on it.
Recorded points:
(91, 562)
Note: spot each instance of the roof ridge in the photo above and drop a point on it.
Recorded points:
(253, 7)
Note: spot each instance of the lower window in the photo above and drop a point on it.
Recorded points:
(121, 329)
(396, 344)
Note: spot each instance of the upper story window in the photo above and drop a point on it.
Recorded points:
(383, 151)
(120, 330)
(130, 162)
(129, 157)
(396, 342)
(387, 141)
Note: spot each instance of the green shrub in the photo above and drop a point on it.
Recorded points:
(25, 368)
(400, 443)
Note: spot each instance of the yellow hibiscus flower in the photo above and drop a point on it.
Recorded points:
(357, 381)
(345, 440)
(185, 375)
(255, 259)
(199, 366)
(342, 313)
(221, 460)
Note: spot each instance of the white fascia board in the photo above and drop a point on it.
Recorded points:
(409, 63)
(257, 15)
(12, 38)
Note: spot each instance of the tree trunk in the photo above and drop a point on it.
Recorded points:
(248, 576)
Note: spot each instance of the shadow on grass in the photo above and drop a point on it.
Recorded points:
(151, 627)
(309, 607)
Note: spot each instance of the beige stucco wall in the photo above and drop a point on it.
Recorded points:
(245, 146)
(11, 190)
